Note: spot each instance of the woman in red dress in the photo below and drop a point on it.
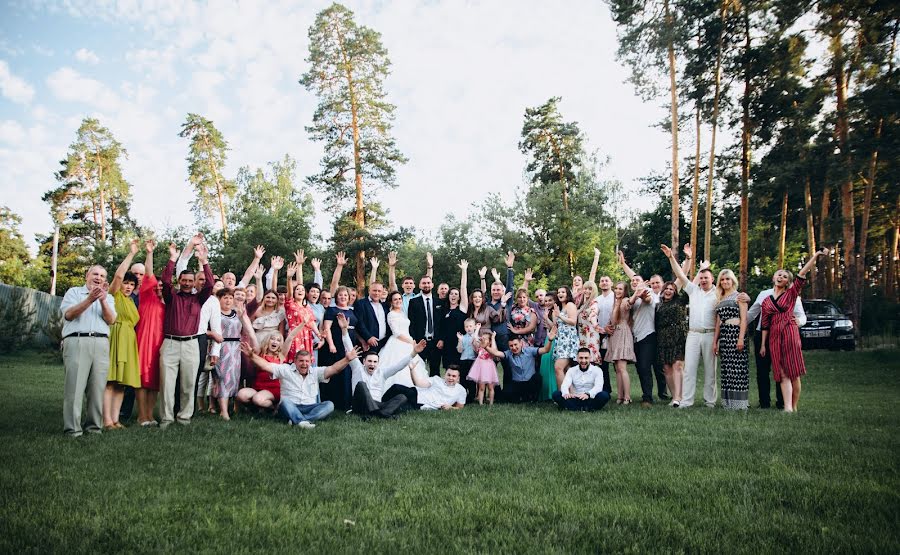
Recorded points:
(266, 390)
(780, 332)
(299, 315)
(149, 339)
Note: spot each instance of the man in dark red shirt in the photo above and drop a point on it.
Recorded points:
(180, 354)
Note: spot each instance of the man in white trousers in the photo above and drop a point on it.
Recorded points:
(701, 328)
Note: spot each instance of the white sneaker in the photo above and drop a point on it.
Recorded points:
(306, 424)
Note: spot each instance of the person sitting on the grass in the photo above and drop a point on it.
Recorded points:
(300, 385)
(526, 381)
(266, 390)
(434, 393)
(582, 388)
(369, 377)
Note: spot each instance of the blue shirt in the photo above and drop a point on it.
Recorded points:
(522, 364)
(467, 353)
(406, 298)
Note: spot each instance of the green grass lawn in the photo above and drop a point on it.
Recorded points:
(501, 479)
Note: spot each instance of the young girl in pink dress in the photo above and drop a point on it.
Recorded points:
(484, 369)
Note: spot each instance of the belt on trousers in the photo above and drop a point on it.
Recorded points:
(183, 337)
(231, 339)
(82, 334)
(702, 330)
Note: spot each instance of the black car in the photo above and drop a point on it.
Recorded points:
(826, 326)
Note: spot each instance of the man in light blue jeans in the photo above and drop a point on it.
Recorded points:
(300, 385)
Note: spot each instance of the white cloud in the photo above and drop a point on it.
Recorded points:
(87, 56)
(68, 84)
(13, 87)
(11, 132)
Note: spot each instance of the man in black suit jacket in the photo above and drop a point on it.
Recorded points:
(372, 331)
(426, 314)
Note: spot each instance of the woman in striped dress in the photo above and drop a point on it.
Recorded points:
(780, 332)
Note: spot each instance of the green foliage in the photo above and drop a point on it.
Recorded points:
(14, 256)
(206, 163)
(347, 68)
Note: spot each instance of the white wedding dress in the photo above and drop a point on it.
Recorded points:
(395, 349)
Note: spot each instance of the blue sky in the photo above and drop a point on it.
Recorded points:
(462, 75)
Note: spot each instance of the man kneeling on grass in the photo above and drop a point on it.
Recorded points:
(369, 377)
(582, 388)
(300, 385)
(434, 393)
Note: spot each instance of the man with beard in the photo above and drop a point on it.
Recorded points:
(425, 320)
(582, 388)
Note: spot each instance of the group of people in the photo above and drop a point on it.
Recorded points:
(215, 344)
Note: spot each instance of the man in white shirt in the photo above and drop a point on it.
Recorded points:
(87, 311)
(643, 313)
(434, 393)
(582, 388)
(300, 385)
(764, 363)
(368, 377)
(701, 328)
(605, 301)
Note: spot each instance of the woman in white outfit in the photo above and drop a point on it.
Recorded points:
(398, 344)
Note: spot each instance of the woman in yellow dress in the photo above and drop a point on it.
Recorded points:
(124, 364)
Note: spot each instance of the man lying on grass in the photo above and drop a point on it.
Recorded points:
(434, 393)
(300, 385)
(369, 377)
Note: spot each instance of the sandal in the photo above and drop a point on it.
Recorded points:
(627, 402)
(618, 401)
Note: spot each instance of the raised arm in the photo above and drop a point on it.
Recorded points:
(247, 326)
(463, 283)
(341, 260)
(625, 267)
(593, 274)
(481, 273)
(289, 340)
(317, 271)
(373, 276)
(149, 245)
(430, 261)
(187, 252)
(260, 284)
(258, 361)
(492, 348)
(336, 368)
(529, 277)
(251, 271)
(681, 277)
(392, 270)
(123, 267)
(551, 335)
(299, 260)
(277, 264)
(810, 264)
(510, 273)
(166, 277)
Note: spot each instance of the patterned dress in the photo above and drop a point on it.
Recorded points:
(621, 342)
(124, 363)
(228, 369)
(671, 330)
(784, 336)
(566, 340)
(589, 330)
(735, 364)
(520, 318)
(300, 315)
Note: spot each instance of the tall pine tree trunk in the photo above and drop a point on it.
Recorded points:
(745, 155)
(359, 212)
(695, 201)
(102, 198)
(220, 192)
(781, 240)
(670, 22)
(810, 232)
(823, 239)
(890, 289)
(851, 294)
(717, 77)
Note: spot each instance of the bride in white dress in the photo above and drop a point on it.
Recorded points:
(398, 345)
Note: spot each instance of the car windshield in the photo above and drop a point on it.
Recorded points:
(820, 308)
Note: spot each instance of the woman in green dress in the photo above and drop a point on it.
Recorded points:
(548, 371)
(124, 364)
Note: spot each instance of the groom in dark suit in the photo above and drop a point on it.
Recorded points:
(372, 331)
(426, 314)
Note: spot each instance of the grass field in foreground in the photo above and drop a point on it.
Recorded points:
(501, 479)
